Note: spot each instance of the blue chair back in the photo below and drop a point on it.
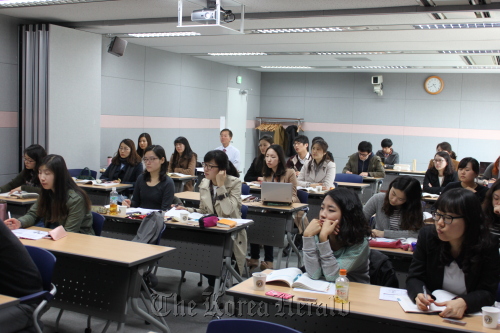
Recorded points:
(45, 262)
(348, 178)
(97, 223)
(303, 196)
(245, 189)
(76, 173)
(161, 233)
(246, 326)
(244, 211)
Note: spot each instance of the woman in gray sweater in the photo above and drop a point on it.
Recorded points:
(398, 211)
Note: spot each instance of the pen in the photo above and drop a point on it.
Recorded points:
(425, 295)
(9, 214)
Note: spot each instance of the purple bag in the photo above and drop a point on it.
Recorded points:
(208, 221)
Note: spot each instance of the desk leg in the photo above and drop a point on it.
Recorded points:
(146, 316)
(294, 248)
(231, 270)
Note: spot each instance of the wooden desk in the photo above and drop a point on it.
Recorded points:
(181, 181)
(189, 196)
(18, 207)
(98, 276)
(99, 195)
(6, 301)
(365, 313)
(399, 172)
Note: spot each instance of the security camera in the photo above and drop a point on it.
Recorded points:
(377, 89)
(377, 79)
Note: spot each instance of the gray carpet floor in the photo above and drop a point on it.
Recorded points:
(196, 322)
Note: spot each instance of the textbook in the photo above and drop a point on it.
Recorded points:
(441, 296)
(23, 195)
(429, 195)
(225, 223)
(294, 278)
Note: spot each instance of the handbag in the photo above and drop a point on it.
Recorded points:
(85, 174)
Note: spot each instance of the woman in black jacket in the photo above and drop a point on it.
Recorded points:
(254, 173)
(441, 174)
(125, 166)
(457, 254)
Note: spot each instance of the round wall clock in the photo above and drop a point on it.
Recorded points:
(434, 85)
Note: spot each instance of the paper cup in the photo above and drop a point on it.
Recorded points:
(319, 188)
(259, 281)
(490, 316)
(123, 210)
(184, 216)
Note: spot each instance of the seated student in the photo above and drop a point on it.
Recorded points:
(338, 239)
(491, 208)
(301, 146)
(274, 170)
(254, 173)
(226, 135)
(19, 277)
(457, 254)
(398, 211)
(363, 162)
(492, 172)
(27, 180)
(125, 166)
(220, 193)
(153, 189)
(318, 171)
(440, 175)
(387, 154)
(183, 160)
(61, 202)
(143, 142)
(329, 153)
(468, 170)
(446, 147)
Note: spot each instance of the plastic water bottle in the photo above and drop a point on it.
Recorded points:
(113, 202)
(342, 287)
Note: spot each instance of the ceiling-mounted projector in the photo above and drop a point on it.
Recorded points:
(204, 15)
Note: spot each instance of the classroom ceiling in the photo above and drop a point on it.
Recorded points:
(373, 34)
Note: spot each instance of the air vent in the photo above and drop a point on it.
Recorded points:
(481, 60)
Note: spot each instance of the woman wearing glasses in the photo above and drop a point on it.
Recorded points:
(398, 211)
(153, 189)
(457, 254)
(441, 174)
(183, 160)
(220, 194)
(27, 180)
(468, 170)
(125, 166)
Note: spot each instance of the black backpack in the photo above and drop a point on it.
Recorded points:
(381, 271)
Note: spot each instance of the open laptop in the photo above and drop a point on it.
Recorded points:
(276, 194)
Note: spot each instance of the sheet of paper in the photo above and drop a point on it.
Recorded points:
(106, 184)
(200, 169)
(142, 211)
(241, 221)
(30, 234)
(391, 294)
(331, 291)
(244, 196)
(177, 174)
(6, 194)
(175, 212)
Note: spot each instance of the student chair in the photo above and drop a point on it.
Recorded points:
(303, 198)
(246, 326)
(245, 189)
(97, 223)
(381, 271)
(45, 262)
(76, 173)
(348, 178)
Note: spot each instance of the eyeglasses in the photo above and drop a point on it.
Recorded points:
(363, 155)
(448, 219)
(438, 161)
(150, 159)
(208, 166)
(124, 148)
(29, 160)
(297, 143)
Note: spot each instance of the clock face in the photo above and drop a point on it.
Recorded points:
(433, 85)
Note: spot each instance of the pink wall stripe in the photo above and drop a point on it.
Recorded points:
(8, 119)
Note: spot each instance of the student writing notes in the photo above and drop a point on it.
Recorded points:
(441, 174)
(254, 173)
(143, 142)
(183, 160)
(301, 146)
(61, 202)
(125, 166)
(468, 170)
(457, 254)
(27, 180)
(491, 208)
(220, 193)
(338, 239)
(226, 135)
(398, 211)
(153, 189)
(387, 154)
(363, 162)
(319, 170)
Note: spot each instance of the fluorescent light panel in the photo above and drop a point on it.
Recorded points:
(470, 51)
(27, 3)
(238, 54)
(381, 67)
(166, 34)
(294, 67)
(347, 53)
(296, 30)
(477, 67)
(457, 26)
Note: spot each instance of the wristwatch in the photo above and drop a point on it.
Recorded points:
(222, 196)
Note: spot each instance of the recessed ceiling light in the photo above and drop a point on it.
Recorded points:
(296, 30)
(26, 3)
(381, 67)
(469, 51)
(477, 67)
(457, 26)
(347, 53)
(295, 67)
(166, 34)
(239, 54)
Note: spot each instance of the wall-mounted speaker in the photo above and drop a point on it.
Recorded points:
(117, 46)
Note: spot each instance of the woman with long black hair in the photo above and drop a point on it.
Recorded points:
(183, 160)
